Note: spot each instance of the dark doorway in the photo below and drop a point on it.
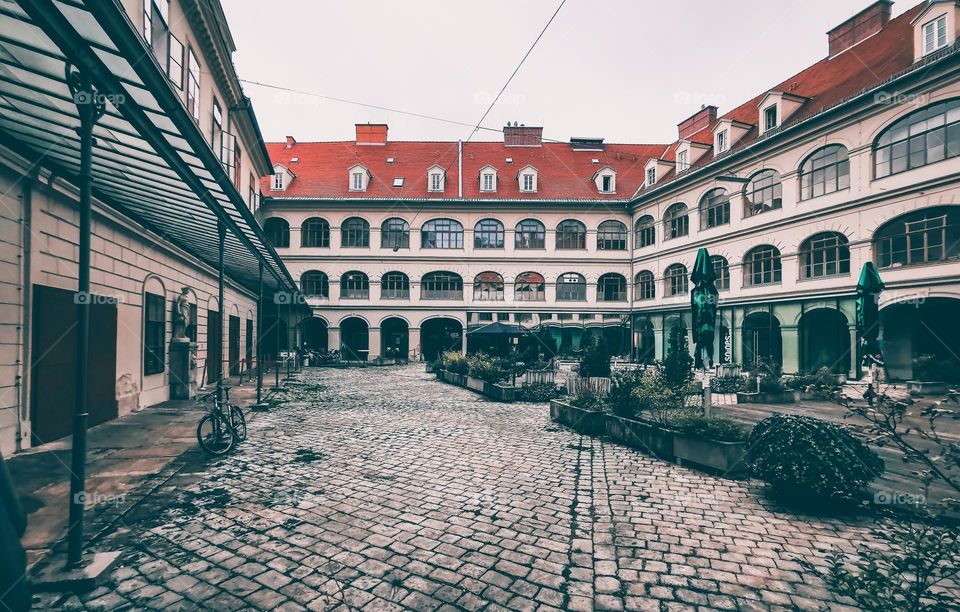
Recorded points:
(354, 339)
(440, 335)
(248, 353)
(214, 346)
(824, 341)
(394, 338)
(646, 341)
(274, 336)
(53, 359)
(315, 334)
(618, 339)
(920, 340)
(233, 344)
(761, 340)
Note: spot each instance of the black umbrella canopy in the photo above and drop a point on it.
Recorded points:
(703, 304)
(498, 329)
(868, 310)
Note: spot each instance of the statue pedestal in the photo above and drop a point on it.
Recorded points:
(183, 369)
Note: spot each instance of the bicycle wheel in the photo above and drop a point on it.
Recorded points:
(215, 434)
(239, 423)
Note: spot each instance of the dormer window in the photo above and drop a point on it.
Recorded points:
(357, 181)
(606, 180)
(435, 178)
(488, 179)
(487, 183)
(651, 176)
(682, 160)
(722, 141)
(606, 184)
(359, 177)
(528, 179)
(770, 118)
(935, 34)
(278, 181)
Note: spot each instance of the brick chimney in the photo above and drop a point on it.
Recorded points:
(861, 26)
(696, 122)
(522, 136)
(290, 142)
(371, 133)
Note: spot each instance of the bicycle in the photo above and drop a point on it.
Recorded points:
(223, 426)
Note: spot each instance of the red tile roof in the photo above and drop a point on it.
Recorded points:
(562, 172)
(565, 173)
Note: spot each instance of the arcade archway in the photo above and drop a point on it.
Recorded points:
(354, 339)
(920, 340)
(314, 334)
(394, 338)
(762, 340)
(440, 335)
(824, 341)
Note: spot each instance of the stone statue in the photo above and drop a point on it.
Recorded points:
(181, 315)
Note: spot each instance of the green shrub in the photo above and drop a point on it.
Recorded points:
(590, 401)
(823, 380)
(623, 402)
(726, 384)
(487, 368)
(595, 361)
(811, 459)
(453, 361)
(538, 392)
(678, 364)
(720, 429)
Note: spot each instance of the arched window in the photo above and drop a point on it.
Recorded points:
(676, 223)
(761, 266)
(529, 234)
(154, 329)
(714, 208)
(644, 232)
(826, 171)
(355, 232)
(441, 286)
(315, 284)
(644, 286)
(441, 234)
(675, 280)
(529, 287)
(721, 270)
(488, 234)
(824, 254)
(395, 234)
(571, 287)
(612, 287)
(571, 234)
(278, 232)
(315, 232)
(612, 236)
(923, 137)
(764, 192)
(355, 285)
(394, 286)
(923, 236)
(488, 286)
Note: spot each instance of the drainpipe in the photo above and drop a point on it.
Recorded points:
(460, 169)
(26, 302)
(222, 234)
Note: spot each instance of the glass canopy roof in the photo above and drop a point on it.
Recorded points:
(150, 160)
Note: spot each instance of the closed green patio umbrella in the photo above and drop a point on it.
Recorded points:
(703, 303)
(868, 312)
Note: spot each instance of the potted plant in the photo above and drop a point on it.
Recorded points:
(932, 375)
(716, 443)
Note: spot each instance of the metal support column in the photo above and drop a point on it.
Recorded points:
(289, 331)
(259, 334)
(90, 107)
(222, 231)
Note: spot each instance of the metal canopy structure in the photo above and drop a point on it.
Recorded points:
(150, 160)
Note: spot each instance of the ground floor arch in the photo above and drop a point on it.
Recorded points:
(314, 334)
(646, 341)
(762, 340)
(824, 341)
(439, 335)
(275, 337)
(920, 340)
(394, 338)
(354, 339)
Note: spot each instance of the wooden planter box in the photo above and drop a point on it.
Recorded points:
(785, 397)
(455, 379)
(540, 377)
(431, 369)
(596, 385)
(926, 387)
(587, 422)
(475, 383)
(501, 393)
(727, 458)
(643, 435)
(390, 361)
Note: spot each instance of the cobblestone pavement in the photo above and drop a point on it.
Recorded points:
(383, 489)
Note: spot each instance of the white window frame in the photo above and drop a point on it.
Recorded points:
(651, 177)
(607, 183)
(935, 34)
(278, 181)
(356, 181)
(436, 181)
(528, 182)
(776, 118)
(682, 160)
(488, 182)
(721, 141)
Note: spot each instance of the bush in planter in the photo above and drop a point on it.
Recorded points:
(656, 400)
(726, 384)
(678, 364)
(486, 368)
(595, 361)
(623, 402)
(719, 429)
(590, 401)
(538, 392)
(453, 361)
(811, 459)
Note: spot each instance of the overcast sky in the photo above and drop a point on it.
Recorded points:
(625, 70)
